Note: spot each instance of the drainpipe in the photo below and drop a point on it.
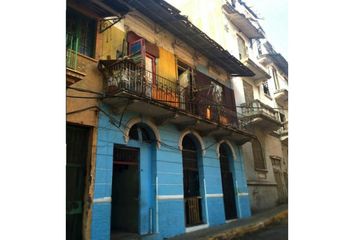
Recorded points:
(157, 204)
(206, 202)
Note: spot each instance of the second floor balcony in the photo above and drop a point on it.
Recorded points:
(260, 74)
(259, 114)
(74, 67)
(204, 105)
(283, 133)
(281, 96)
(247, 25)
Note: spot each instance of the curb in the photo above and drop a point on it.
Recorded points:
(239, 231)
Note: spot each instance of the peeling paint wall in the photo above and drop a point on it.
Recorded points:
(169, 171)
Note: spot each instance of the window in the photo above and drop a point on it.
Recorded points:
(275, 77)
(282, 117)
(258, 155)
(248, 90)
(259, 47)
(266, 88)
(241, 48)
(184, 78)
(80, 33)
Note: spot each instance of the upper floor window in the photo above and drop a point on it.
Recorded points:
(259, 162)
(241, 48)
(248, 90)
(266, 88)
(259, 47)
(275, 77)
(80, 33)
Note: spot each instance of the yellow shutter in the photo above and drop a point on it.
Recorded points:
(166, 66)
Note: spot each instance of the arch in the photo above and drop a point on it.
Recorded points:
(149, 123)
(196, 135)
(227, 142)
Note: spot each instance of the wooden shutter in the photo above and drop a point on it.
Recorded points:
(248, 90)
(258, 155)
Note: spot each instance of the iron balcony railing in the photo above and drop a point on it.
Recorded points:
(72, 45)
(127, 76)
(256, 107)
(213, 111)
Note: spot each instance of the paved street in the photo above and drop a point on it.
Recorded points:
(276, 231)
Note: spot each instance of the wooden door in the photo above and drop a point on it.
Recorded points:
(227, 186)
(150, 74)
(248, 90)
(125, 190)
(191, 185)
(77, 144)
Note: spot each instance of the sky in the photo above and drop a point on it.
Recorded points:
(275, 23)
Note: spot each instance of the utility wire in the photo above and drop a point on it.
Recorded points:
(85, 90)
(118, 126)
(167, 101)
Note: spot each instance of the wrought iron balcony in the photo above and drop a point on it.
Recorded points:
(130, 86)
(259, 114)
(126, 76)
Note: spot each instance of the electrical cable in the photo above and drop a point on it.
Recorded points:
(85, 90)
(168, 101)
(84, 97)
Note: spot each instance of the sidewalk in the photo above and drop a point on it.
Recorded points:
(239, 227)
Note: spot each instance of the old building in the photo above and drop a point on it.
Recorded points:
(154, 144)
(261, 99)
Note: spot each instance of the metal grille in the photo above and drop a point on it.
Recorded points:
(126, 75)
(81, 31)
(191, 184)
(193, 211)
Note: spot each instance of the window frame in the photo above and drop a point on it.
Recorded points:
(258, 157)
(86, 47)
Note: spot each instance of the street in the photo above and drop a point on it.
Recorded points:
(276, 231)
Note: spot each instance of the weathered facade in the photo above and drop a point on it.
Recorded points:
(261, 99)
(154, 144)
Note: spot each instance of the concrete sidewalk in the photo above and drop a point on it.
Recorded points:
(239, 227)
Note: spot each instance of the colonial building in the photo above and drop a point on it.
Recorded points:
(154, 142)
(261, 99)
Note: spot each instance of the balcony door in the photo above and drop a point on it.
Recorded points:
(125, 190)
(191, 183)
(248, 91)
(150, 74)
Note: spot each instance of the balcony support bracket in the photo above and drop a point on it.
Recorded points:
(108, 22)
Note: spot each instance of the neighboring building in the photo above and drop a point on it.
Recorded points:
(154, 145)
(261, 99)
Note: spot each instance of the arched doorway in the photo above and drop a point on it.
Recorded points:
(132, 183)
(227, 181)
(192, 181)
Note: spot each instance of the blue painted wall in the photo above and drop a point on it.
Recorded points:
(242, 198)
(164, 164)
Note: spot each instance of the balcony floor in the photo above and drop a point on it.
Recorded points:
(163, 113)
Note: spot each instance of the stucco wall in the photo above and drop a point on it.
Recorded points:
(169, 172)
